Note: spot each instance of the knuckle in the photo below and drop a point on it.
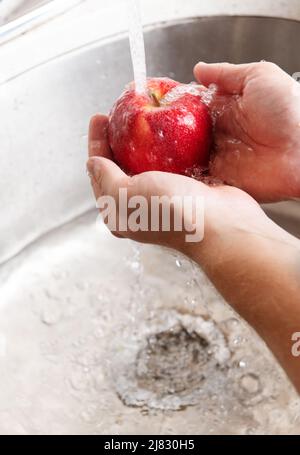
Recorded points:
(266, 65)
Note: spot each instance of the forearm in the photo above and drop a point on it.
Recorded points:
(259, 275)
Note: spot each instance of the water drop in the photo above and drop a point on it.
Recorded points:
(79, 380)
(178, 263)
(250, 383)
(50, 315)
(237, 340)
(89, 414)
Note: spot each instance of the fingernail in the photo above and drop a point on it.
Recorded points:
(94, 168)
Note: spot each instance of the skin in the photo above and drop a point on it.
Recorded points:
(257, 133)
(253, 263)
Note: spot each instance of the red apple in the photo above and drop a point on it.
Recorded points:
(168, 128)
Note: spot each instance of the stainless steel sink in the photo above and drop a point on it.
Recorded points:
(79, 310)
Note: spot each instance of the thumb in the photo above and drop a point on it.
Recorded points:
(106, 177)
(228, 77)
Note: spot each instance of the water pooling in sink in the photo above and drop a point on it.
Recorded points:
(98, 341)
(179, 359)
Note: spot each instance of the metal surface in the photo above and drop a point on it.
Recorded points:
(66, 300)
(33, 16)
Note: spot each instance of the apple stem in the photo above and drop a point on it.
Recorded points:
(154, 99)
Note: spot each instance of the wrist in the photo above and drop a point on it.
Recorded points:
(231, 234)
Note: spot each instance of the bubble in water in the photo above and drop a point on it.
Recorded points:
(102, 298)
(250, 383)
(236, 341)
(134, 260)
(89, 357)
(201, 174)
(89, 415)
(191, 283)
(50, 314)
(209, 95)
(177, 92)
(230, 324)
(79, 380)
(135, 265)
(191, 301)
(249, 389)
(197, 172)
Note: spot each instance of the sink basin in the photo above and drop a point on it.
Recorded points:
(97, 335)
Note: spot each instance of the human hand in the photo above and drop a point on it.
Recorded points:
(257, 129)
(250, 260)
(228, 210)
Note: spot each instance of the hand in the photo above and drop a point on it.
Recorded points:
(257, 130)
(251, 261)
(228, 210)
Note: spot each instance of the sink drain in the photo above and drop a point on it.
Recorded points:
(172, 361)
(173, 365)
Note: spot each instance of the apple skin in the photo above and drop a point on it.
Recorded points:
(148, 132)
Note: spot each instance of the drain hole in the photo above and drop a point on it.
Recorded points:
(171, 361)
(179, 361)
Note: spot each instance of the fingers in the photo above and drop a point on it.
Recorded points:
(106, 177)
(98, 141)
(228, 77)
